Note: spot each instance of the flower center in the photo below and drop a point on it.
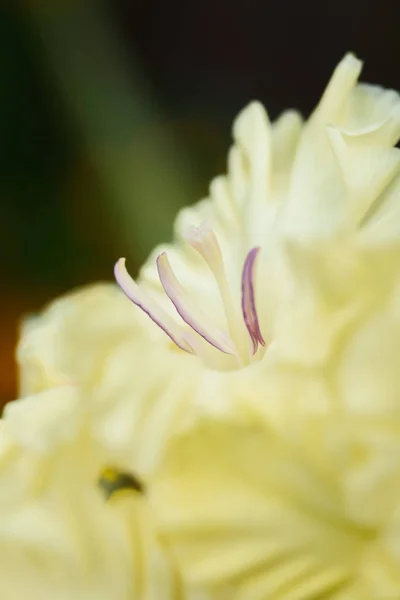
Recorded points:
(113, 481)
(240, 338)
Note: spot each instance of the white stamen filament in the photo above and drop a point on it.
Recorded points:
(204, 240)
(150, 306)
(190, 312)
(244, 336)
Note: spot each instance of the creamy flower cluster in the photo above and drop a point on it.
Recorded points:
(236, 434)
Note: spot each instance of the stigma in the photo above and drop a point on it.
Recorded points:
(194, 330)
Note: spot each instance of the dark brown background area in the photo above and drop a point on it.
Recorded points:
(212, 56)
(199, 62)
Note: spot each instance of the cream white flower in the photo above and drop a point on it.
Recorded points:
(328, 187)
(60, 537)
(297, 494)
(280, 296)
(133, 397)
(130, 373)
(300, 499)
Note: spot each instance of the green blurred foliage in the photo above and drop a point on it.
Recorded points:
(91, 167)
(34, 156)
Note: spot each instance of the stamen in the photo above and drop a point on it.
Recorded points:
(156, 313)
(187, 309)
(241, 324)
(204, 240)
(248, 300)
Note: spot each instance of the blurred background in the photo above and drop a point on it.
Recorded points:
(113, 114)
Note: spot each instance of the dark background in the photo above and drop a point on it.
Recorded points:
(114, 114)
